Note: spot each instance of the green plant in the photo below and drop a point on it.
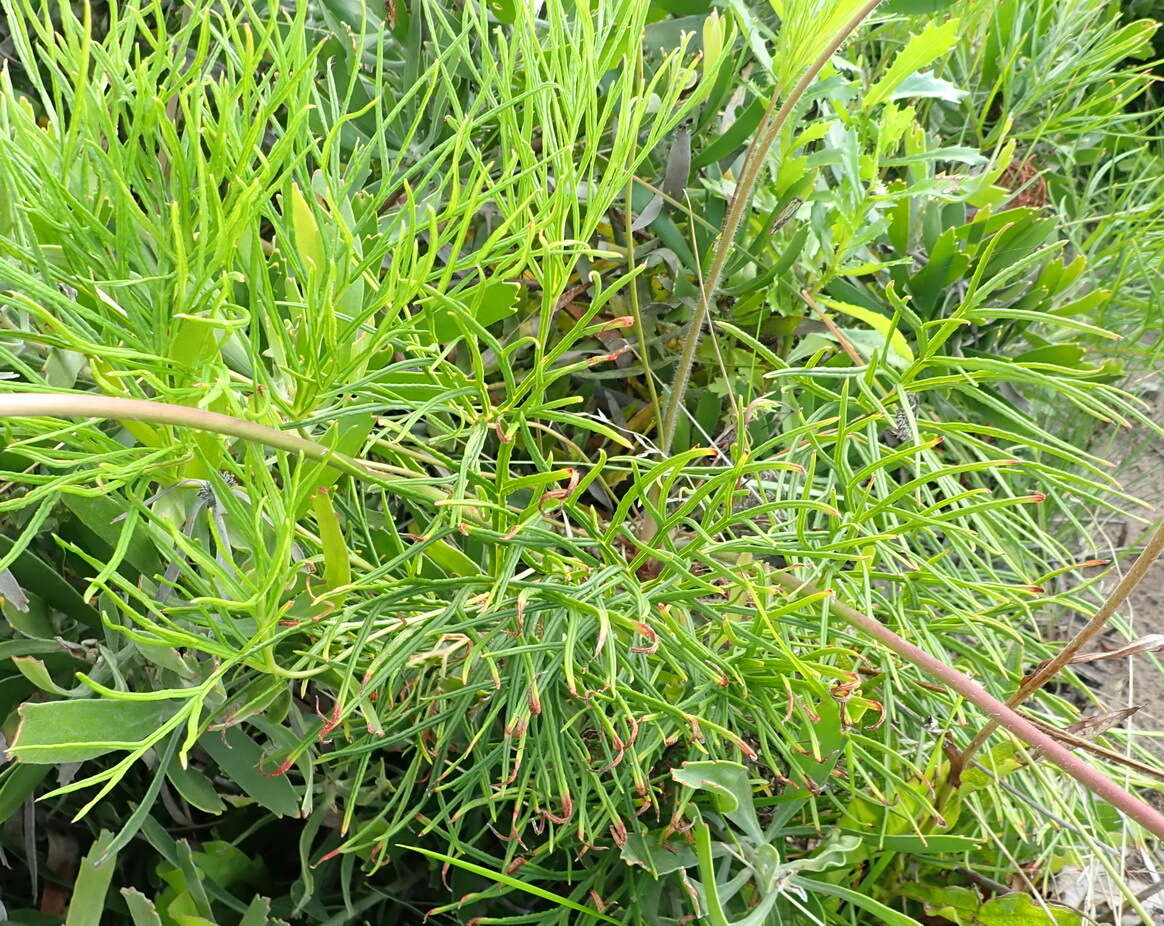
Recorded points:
(404, 244)
(1061, 73)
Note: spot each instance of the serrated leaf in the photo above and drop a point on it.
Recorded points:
(141, 908)
(922, 49)
(925, 84)
(256, 914)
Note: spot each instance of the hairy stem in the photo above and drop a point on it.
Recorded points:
(1051, 667)
(1000, 714)
(767, 133)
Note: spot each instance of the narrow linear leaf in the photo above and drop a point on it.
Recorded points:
(512, 882)
(1152, 643)
(861, 901)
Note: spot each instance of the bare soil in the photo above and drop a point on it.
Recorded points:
(1136, 681)
(1140, 679)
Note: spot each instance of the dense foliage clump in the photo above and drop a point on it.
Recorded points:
(396, 521)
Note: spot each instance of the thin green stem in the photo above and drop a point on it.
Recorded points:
(78, 405)
(767, 133)
(637, 314)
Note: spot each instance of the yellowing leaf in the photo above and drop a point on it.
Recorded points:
(307, 237)
(876, 321)
(337, 569)
(713, 29)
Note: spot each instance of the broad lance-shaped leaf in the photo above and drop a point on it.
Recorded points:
(11, 591)
(337, 570)
(878, 322)
(240, 758)
(920, 51)
(728, 782)
(658, 857)
(307, 237)
(674, 179)
(17, 783)
(713, 33)
(487, 302)
(862, 901)
(40, 579)
(37, 672)
(91, 886)
(54, 732)
(832, 852)
(963, 906)
(195, 788)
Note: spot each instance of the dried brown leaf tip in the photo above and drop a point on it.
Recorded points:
(1095, 724)
(1152, 643)
(1026, 181)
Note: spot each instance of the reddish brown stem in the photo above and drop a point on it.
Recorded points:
(1089, 777)
(1050, 669)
